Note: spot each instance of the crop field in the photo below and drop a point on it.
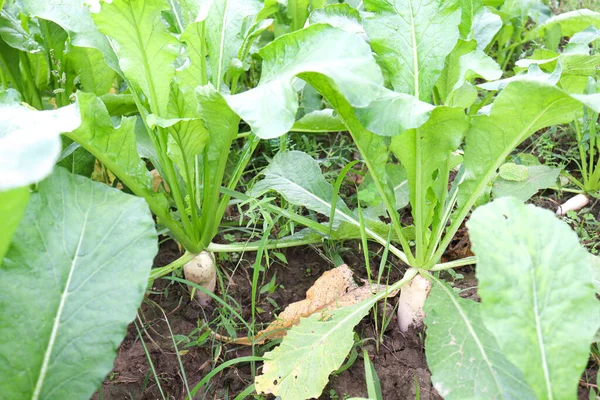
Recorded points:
(299, 199)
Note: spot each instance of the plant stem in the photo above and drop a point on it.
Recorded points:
(419, 196)
(167, 269)
(255, 246)
(582, 155)
(247, 152)
(455, 264)
(35, 98)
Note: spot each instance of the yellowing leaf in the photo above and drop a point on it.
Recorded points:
(334, 289)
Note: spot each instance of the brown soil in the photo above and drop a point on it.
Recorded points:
(399, 360)
(400, 363)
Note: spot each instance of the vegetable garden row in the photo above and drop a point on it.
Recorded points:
(232, 130)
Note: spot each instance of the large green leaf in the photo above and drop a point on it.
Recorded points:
(222, 124)
(485, 27)
(567, 24)
(114, 146)
(146, 50)
(12, 207)
(425, 153)
(343, 58)
(71, 282)
(535, 283)
(392, 113)
(94, 75)
(298, 178)
(15, 35)
(224, 33)
(319, 121)
(462, 65)
(412, 38)
(372, 147)
(538, 177)
(76, 18)
(464, 357)
(300, 366)
(513, 118)
(341, 16)
(30, 139)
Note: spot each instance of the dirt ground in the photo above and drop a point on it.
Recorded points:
(399, 362)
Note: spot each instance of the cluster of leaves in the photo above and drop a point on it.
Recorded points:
(135, 83)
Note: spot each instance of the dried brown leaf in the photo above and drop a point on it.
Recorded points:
(332, 290)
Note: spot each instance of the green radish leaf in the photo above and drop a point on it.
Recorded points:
(567, 24)
(464, 357)
(15, 36)
(427, 159)
(28, 153)
(76, 159)
(298, 178)
(513, 172)
(75, 17)
(575, 68)
(535, 283)
(463, 65)
(538, 177)
(298, 13)
(71, 282)
(224, 35)
(412, 39)
(372, 147)
(319, 121)
(392, 113)
(485, 27)
(513, 118)
(270, 108)
(341, 16)
(193, 74)
(12, 207)
(222, 124)
(469, 9)
(534, 74)
(595, 262)
(188, 132)
(94, 74)
(114, 146)
(146, 50)
(369, 195)
(300, 366)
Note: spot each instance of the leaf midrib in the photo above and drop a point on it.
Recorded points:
(474, 335)
(59, 312)
(540, 336)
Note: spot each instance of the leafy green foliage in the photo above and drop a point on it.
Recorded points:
(318, 49)
(63, 313)
(537, 294)
(412, 38)
(145, 49)
(463, 355)
(299, 367)
(12, 207)
(28, 153)
(536, 177)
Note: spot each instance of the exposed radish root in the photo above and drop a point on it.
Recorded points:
(202, 271)
(412, 299)
(575, 203)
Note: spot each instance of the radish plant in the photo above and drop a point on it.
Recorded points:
(450, 142)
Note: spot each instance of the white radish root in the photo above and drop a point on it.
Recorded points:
(412, 299)
(575, 203)
(202, 271)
